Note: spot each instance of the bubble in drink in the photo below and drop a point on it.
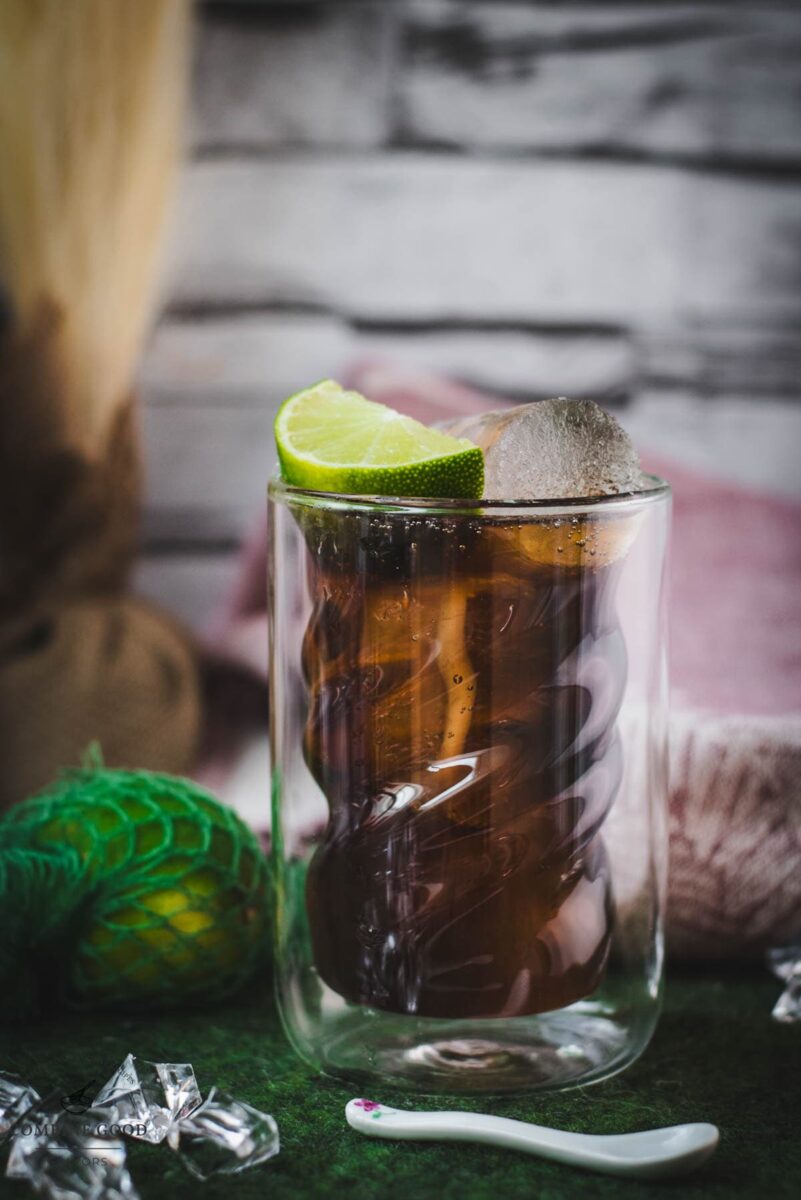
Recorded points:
(553, 449)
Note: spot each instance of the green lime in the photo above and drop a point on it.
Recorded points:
(331, 440)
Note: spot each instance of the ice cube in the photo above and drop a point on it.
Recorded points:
(16, 1097)
(66, 1156)
(151, 1097)
(785, 963)
(553, 449)
(224, 1136)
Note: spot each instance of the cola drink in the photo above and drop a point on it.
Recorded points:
(464, 674)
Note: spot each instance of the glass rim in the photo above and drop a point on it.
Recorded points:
(442, 505)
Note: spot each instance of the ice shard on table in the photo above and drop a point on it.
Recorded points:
(151, 1097)
(69, 1156)
(16, 1097)
(785, 963)
(67, 1153)
(224, 1136)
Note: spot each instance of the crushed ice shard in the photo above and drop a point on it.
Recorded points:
(69, 1156)
(785, 963)
(224, 1136)
(16, 1097)
(150, 1097)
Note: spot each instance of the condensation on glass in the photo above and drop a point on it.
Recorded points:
(469, 785)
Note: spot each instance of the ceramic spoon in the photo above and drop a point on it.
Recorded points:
(654, 1154)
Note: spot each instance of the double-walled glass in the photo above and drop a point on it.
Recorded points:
(469, 784)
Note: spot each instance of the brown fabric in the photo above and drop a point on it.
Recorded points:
(79, 660)
(112, 670)
(68, 510)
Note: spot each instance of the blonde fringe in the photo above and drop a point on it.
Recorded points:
(92, 96)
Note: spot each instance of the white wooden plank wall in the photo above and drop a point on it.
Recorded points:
(596, 200)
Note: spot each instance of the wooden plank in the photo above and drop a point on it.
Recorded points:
(262, 358)
(753, 442)
(708, 82)
(291, 75)
(411, 236)
(191, 585)
(249, 358)
(724, 359)
(206, 471)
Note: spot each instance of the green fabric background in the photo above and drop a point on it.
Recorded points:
(717, 1056)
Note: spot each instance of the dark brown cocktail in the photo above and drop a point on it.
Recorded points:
(464, 677)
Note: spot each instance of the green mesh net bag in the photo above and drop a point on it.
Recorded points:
(127, 889)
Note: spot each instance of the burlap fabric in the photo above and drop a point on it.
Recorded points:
(81, 660)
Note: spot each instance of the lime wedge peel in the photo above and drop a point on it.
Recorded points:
(333, 440)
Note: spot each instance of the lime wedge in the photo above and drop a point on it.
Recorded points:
(331, 440)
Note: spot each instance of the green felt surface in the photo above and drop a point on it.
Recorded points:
(716, 1056)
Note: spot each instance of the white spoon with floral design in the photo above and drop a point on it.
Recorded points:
(652, 1154)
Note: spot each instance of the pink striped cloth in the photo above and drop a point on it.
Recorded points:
(735, 657)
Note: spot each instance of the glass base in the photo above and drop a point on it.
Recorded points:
(553, 1051)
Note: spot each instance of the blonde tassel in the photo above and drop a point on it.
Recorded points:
(92, 97)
